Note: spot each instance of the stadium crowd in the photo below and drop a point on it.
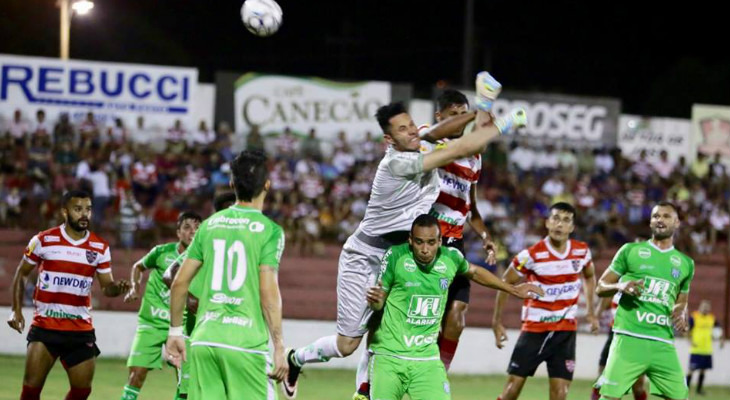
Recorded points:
(142, 178)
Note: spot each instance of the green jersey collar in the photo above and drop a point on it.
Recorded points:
(658, 249)
(244, 208)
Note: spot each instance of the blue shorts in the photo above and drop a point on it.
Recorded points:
(698, 361)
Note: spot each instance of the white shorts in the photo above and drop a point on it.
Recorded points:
(358, 268)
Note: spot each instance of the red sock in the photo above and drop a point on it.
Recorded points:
(31, 393)
(78, 393)
(447, 348)
(595, 394)
(642, 396)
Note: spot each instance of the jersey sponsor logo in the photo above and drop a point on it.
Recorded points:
(644, 253)
(222, 298)
(61, 314)
(439, 267)
(246, 322)
(97, 245)
(210, 316)
(169, 260)
(45, 280)
(557, 291)
(444, 283)
(160, 313)
(70, 282)
(413, 284)
(551, 318)
(657, 291)
(455, 184)
(221, 220)
(654, 319)
(447, 388)
(644, 266)
(541, 255)
(90, 256)
(256, 227)
(420, 340)
(51, 239)
(675, 273)
(675, 261)
(580, 252)
(409, 265)
(424, 310)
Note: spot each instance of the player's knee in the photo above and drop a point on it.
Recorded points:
(137, 376)
(347, 345)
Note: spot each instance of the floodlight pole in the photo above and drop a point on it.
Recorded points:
(65, 27)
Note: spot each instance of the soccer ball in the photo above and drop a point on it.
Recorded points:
(261, 17)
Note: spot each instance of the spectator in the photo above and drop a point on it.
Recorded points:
(254, 140)
(101, 192)
(522, 157)
(286, 145)
(18, 129)
(547, 161)
(701, 167)
(175, 138)
(604, 162)
(63, 131)
(641, 168)
(369, 149)
(311, 146)
(553, 186)
(282, 180)
(89, 132)
(165, 218)
(40, 156)
(117, 134)
(586, 162)
(203, 137)
(41, 127)
(343, 161)
(719, 222)
(718, 171)
(663, 166)
(636, 198)
(303, 167)
(682, 168)
(144, 180)
(129, 212)
(568, 161)
(141, 134)
(14, 210)
(310, 185)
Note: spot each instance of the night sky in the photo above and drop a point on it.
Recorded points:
(657, 60)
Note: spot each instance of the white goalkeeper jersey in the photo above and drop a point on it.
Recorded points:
(401, 191)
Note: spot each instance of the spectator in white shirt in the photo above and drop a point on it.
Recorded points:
(203, 136)
(522, 157)
(117, 134)
(641, 168)
(101, 192)
(286, 145)
(547, 160)
(718, 171)
(663, 166)
(41, 127)
(604, 162)
(141, 134)
(18, 129)
(369, 149)
(568, 161)
(553, 186)
(343, 161)
(719, 221)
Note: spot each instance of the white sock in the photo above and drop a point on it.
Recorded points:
(362, 370)
(321, 350)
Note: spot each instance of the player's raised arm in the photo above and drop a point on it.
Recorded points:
(485, 278)
(450, 127)
(16, 320)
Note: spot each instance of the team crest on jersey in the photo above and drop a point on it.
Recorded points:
(675, 273)
(675, 261)
(444, 283)
(570, 365)
(575, 264)
(90, 256)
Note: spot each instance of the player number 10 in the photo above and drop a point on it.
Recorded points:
(225, 259)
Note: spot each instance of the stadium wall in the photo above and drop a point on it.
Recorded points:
(476, 355)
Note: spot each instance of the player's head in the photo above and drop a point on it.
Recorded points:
(560, 222)
(249, 175)
(664, 220)
(187, 224)
(425, 238)
(76, 210)
(705, 306)
(451, 103)
(399, 130)
(223, 201)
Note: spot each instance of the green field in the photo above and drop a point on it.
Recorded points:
(315, 385)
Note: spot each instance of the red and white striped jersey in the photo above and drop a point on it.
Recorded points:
(66, 269)
(454, 201)
(559, 275)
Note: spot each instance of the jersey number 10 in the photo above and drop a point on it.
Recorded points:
(233, 260)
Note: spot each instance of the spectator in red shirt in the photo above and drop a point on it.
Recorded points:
(145, 180)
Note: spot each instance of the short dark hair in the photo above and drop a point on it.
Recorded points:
(665, 203)
(221, 201)
(563, 206)
(388, 111)
(185, 215)
(249, 174)
(425, 221)
(450, 98)
(75, 193)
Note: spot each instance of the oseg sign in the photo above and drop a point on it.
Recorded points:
(274, 102)
(160, 94)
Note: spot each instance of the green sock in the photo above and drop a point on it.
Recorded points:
(180, 396)
(130, 393)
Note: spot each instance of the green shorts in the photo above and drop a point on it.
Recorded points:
(224, 373)
(147, 348)
(391, 378)
(629, 357)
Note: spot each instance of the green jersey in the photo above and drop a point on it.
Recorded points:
(416, 301)
(666, 274)
(232, 245)
(155, 309)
